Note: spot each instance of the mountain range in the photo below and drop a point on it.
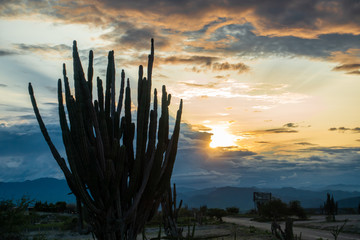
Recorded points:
(54, 190)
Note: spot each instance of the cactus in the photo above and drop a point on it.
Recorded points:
(170, 214)
(120, 188)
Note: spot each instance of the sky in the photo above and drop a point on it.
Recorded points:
(270, 88)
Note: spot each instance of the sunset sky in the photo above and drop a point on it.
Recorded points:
(271, 89)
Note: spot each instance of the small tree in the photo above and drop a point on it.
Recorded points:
(330, 208)
(232, 210)
(273, 209)
(295, 209)
(218, 213)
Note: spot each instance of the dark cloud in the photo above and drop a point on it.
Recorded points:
(235, 154)
(127, 35)
(347, 67)
(206, 62)
(6, 52)
(334, 150)
(286, 128)
(304, 144)
(356, 72)
(270, 14)
(219, 77)
(208, 85)
(345, 129)
(3, 85)
(291, 125)
(260, 28)
(199, 33)
(280, 130)
(351, 68)
(25, 154)
(44, 48)
(202, 60)
(245, 42)
(240, 67)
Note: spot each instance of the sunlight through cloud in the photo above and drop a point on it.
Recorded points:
(221, 137)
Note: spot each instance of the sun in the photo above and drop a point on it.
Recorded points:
(221, 137)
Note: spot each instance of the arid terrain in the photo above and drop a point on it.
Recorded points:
(314, 228)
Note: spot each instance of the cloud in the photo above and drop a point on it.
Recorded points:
(202, 60)
(44, 48)
(127, 35)
(334, 150)
(197, 85)
(280, 130)
(351, 68)
(243, 39)
(345, 129)
(242, 28)
(294, 175)
(291, 125)
(204, 63)
(25, 154)
(240, 67)
(286, 128)
(347, 67)
(6, 52)
(304, 144)
(3, 85)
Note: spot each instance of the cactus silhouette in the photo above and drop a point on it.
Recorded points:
(170, 214)
(120, 185)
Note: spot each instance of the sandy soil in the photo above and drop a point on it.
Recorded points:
(312, 229)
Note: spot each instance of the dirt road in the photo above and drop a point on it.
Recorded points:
(306, 233)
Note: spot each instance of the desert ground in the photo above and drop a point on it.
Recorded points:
(313, 229)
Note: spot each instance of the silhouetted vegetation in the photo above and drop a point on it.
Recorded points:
(217, 213)
(170, 212)
(232, 210)
(120, 185)
(58, 207)
(277, 209)
(13, 218)
(330, 208)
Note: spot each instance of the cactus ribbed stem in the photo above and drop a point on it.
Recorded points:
(120, 188)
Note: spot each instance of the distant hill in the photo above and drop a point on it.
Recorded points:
(343, 187)
(349, 202)
(43, 189)
(243, 197)
(53, 190)
(222, 198)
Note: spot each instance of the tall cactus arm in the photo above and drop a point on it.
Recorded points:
(90, 71)
(44, 132)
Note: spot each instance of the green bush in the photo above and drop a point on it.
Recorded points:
(218, 213)
(232, 210)
(13, 218)
(295, 209)
(276, 209)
